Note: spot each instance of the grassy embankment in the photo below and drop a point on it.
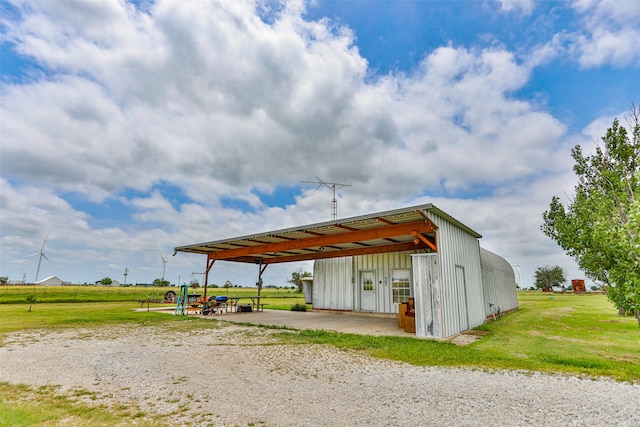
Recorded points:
(560, 333)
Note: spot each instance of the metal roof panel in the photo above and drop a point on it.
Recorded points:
(294, 239)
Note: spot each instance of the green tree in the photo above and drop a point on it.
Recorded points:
(228, 284)
(160, 282)
(194, 283)
(4, 280)
(296, 278)
(106, 281)
(600, 227)
(548, 277)
(31, 299)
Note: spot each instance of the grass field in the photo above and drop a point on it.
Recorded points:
(276, 299)
(557, 333)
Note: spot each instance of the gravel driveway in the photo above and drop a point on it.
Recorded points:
(230, 375)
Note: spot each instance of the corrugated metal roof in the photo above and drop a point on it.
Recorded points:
(373, 233)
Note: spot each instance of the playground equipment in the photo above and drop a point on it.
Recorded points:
(181, 301)
(186, 302)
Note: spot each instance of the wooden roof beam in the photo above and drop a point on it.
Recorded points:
(328, 240)
(344, 227)
(407, 246)
(386, 221)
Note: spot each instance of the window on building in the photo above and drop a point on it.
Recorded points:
(401, 285)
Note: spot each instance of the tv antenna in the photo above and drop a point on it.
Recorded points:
(42, 255)
(331, 186)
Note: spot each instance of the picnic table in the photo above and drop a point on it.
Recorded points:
(256, 305)
(228, 304)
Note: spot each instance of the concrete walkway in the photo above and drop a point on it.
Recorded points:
(347, 322)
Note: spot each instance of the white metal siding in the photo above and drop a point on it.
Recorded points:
(382, 264)
(451, 281)
(498, 282)
(463, 305)
(427, 295)
(333, 287)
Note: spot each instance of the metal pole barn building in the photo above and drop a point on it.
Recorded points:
(376, 262)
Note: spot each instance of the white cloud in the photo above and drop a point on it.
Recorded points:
(600, 33)
(460, 124)
(247, 104)
(611, 33)
(522, 6)
(218, 101)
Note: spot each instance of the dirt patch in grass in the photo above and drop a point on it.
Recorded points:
(559, 311)
(468, 337)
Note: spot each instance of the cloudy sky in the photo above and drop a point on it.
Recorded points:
(129, 128)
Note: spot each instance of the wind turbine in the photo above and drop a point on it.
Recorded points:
(517, 266)
(164, 264)
(42, 255)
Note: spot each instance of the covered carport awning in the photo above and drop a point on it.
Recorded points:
(391, 231)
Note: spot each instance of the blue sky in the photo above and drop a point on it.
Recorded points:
(129, 128)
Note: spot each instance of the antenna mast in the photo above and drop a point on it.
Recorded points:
(331, 186)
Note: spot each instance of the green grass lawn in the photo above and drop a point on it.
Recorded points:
(25, 406)
(80, 293)
(555, 333)
(559, 333)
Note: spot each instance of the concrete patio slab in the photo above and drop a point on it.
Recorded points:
(337, 321)
(346, 322)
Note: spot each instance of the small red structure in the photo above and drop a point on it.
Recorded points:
(578, 286)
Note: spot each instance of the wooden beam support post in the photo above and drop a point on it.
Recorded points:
(206, 276)
(426, 241)
(261, 269)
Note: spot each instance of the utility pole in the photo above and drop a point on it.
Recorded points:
(126, 271)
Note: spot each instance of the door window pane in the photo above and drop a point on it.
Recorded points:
(367, 281)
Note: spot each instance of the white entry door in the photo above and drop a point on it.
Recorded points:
(367, 291)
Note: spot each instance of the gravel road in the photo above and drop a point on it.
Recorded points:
(228, 375)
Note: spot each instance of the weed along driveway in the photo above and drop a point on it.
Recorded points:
(205, 373)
